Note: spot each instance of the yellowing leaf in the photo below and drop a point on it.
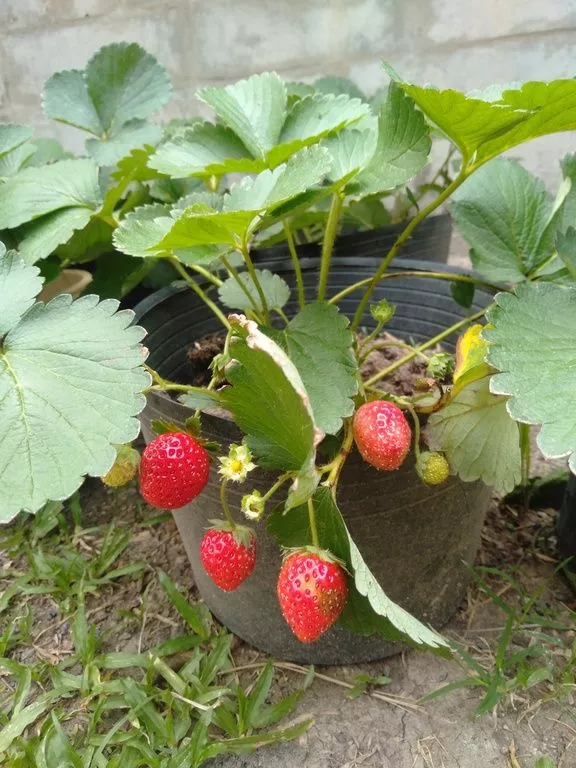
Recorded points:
(471, 364)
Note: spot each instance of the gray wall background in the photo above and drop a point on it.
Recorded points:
(466, 44)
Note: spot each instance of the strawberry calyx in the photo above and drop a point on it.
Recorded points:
(324, 554)
(243, 535)
(191, 427)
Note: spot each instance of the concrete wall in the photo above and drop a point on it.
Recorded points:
(466, 44)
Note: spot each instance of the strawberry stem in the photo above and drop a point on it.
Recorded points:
(313, 528)
(409, 407)
(273, 488)
(224, 501)
(339, 461)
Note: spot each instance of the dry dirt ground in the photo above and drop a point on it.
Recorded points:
(368, 731)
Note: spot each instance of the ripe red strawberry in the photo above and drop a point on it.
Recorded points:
(312, 591)
(382, 434)
(228, 556)
(173, 471)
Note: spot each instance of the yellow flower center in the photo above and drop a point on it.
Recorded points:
(236, 465)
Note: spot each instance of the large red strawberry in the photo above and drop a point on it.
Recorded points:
(228, 555)
(173, 471)
(312, 591)
(382, 434)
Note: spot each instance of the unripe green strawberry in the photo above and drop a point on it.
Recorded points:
(124, 468)
(432, 468)
(174, 470)
(312, 591)
(382, 434)
(228, 555)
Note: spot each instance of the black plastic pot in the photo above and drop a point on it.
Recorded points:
(415, 539)
(430, 242)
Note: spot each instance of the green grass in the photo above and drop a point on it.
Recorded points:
(174, 705)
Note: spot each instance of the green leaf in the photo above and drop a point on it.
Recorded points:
(268, 400)
(339, 85)
(532, 343)
(478, 436)
(203, 150)
(19, 286)
(402, 149)
(12, 135)
(200, 398)
(88, 243)
(304, 485)
(47, 151)
(17, 725)
(135, 166)
(319, 343)
(463, 293)
(468, 122)
(545, 762)
(56, 749)
(131, 135)
(254, 109)
(350, 150)
(312, 118)
(275, 289)
(37, 191)
(39, 238)
(14, 161)
(58, 368)
(566, 247)
(140, 231)
(121, 82)
(271, 188)
(502, 211)
(366, 598)
(548, 108)
(201, 225)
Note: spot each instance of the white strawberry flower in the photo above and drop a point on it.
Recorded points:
(252, 505)
(237, 464)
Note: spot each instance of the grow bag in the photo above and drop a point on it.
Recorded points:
(416, 540)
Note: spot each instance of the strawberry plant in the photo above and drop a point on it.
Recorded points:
(73, 377)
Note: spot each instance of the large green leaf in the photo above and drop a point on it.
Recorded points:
(402, 149)
(13, 161)
(275, 289)
(312, 118)
(248, 201)
(485, 125)
(19, 286)
(319, 343)
(37, 191)
(203, 150)
(350, 151)
(268, 400)
(337, 85)
(12, 135)
(39, 238)
(70, 389)
(502, 211)
(131, 135)
(549, 108)
(480, 439)
(566, 247)
(142, 229)
(468, 122)
(369, 609)
(532, 342)
(255, 109)
(121, 82)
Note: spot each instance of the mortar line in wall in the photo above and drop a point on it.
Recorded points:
(454, 45)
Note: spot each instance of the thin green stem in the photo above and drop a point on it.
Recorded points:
(405, 234)
(282, 314)
(417, 350)
(328, 242)
(273, 488)
(206, 274)
(198, 291)
(313, 528)
(224, 502)
(371, 336)
(295, 264)
(233, 272)
(416, 421)
(416, 273)
(336, 465)
(253, 274)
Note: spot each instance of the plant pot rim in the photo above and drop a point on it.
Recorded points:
(309, 263)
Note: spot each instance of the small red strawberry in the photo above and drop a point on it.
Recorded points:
(174, 470)
(228, 555)
(382, 434)
(312, 591)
